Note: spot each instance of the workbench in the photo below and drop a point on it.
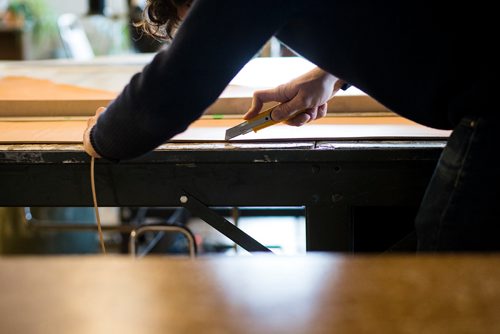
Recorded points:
(347, 170)
(313, 294)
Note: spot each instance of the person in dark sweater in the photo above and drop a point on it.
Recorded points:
(429, 64)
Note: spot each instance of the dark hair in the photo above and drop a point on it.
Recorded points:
(160, 18)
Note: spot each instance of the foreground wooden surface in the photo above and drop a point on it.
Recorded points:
(313, 294)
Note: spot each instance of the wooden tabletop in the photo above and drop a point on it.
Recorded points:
(40, 131)
(254, 294)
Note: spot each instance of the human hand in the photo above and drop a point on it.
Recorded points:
(303, 99)
(87, 145)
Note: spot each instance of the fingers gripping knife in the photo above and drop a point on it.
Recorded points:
(261, 121)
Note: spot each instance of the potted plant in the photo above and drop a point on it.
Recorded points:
(39, 25)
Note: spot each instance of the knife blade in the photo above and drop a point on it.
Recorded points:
(259, 122)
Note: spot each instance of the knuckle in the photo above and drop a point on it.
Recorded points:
(256, 94)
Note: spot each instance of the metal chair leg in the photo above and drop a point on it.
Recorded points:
(161, 228)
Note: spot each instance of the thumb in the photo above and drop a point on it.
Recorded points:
(262, 96)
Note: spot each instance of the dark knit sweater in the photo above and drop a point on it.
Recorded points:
(420, 61)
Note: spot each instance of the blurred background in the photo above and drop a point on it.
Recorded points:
(35, 29)
(47, 29)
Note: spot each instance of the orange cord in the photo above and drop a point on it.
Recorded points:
(96, 208)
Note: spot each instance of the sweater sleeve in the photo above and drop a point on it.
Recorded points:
(216, 40)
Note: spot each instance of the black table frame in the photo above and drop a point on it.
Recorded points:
(328, 178)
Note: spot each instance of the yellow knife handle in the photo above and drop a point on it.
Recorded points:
(264, 114)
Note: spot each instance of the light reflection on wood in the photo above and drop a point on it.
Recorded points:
(254, 294)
